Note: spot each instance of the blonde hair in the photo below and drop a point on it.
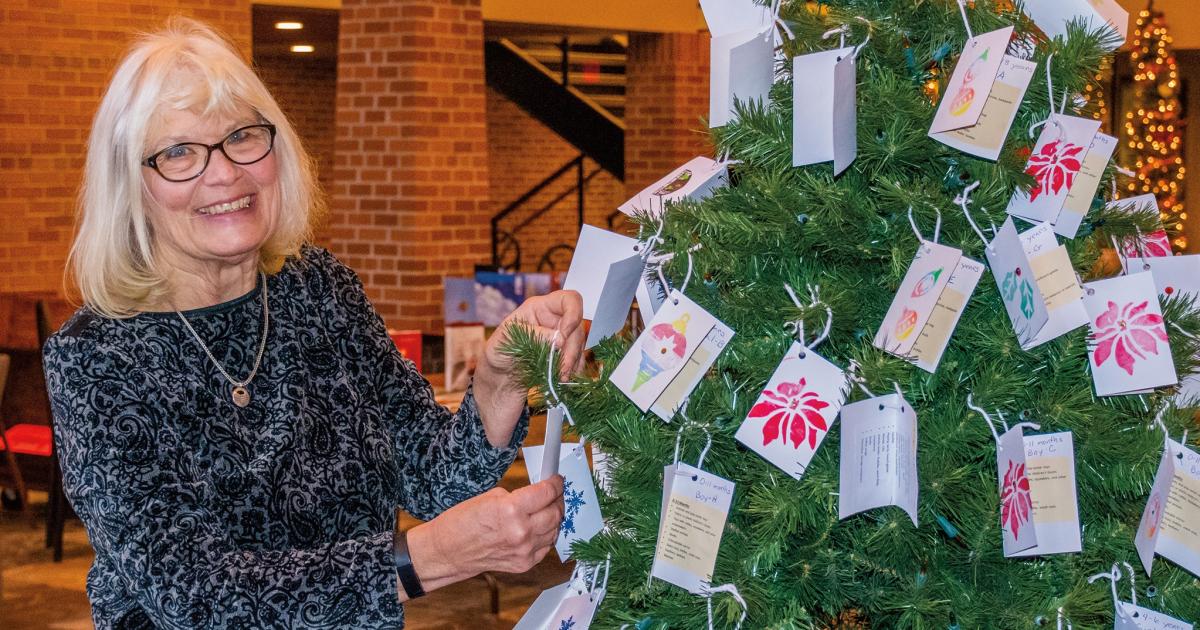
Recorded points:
(186, 66)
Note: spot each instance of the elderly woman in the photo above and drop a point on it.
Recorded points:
(236, 429)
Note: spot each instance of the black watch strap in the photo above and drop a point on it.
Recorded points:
(404, 567)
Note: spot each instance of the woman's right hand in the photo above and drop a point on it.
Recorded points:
(495, 531)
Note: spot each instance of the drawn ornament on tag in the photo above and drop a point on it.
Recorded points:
(675, 184)
(1054, 167)
(1154, 516)
(906, 324)
(966, 92)
(1014, 283)
(1127, 334)
(1015, 501)
(573, 500)
(789, 410)
(664, 349)
(927, 283)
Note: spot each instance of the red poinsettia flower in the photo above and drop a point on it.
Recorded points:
(1154, 245)
(789, 410)
(1127, 333)
(1054, 167)
(1015, 502)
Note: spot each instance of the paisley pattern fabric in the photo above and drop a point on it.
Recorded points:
(278, 515)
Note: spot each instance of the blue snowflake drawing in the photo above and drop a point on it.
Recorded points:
(567, 624)
(574, 502)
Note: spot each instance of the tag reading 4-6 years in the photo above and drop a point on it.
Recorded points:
(694, 509)
(972, 81)
(986, 137)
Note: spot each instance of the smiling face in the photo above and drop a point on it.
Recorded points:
(220, 218)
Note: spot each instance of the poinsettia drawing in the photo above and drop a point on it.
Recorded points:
(1054, 167)
(789, 411)
(1015, 502)
(1127, 333)
(1153, 245)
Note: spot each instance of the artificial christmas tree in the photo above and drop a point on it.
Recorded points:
(804, 543)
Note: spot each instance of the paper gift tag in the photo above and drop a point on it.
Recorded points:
(824, 114)
(576, 612)
(605, 270)
(1173, 275)
(1128, 349)
(1133, 617)
(662, 350)
(931, 345)
(1153, 245)
(1056, 282)
(695, 180)
(694, 509)
(693, 370)
(1052, 16)
(985, 138)
(1054, 164)
(1083, 191)
(742, 68)
(1016, 501)
(795, 411)
(1027, 310)
(879, 456)
(581, 516)
(650, 296)
(972, 80)
(725, 17)
(1050, 469)
(916, 298)
(542, 610)
(1168, 525)
(553, 442)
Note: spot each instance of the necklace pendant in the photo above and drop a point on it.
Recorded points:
(240, 395)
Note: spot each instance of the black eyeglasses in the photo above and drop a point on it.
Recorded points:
(187, 160)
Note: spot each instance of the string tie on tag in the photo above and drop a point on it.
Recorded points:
(550, 378)
(964, 200)
(1050, 118)
(962, 8)
(733, 592)
(647, 249)
(777, 6)
(854, 375)
(1061, 618)
(797, 327)
(937, 227)
(679, 438)
(991, 425)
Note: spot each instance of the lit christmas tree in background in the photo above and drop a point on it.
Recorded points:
(1153, 137)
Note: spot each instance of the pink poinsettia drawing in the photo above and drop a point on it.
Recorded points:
(789, 412)
(1054, 167)
(1015, 503)
(1127, 333)
(1154, 245)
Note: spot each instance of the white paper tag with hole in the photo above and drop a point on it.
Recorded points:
(1016, 499)
(553, 442)
(581, 514)
(693, 370)
(824, 109)
(795, 411)
(576, 612)
(1014, 276)
(695, 180)
(1169, 521)
(935, 336)
(1128, 349)
(915, 300)
(1173, 275)
(1050, 468)
(1056, 282)
(986, 137)
(662, 350)
(605, 270)
(742, 69)
(1079, 200)
(1052, 16)
(879, 456)
(542, 610)
(695, 507)
(972, 81)
(1133, 617)
(725, 17)
(1054, 164)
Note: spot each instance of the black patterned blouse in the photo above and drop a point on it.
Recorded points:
(206, 515)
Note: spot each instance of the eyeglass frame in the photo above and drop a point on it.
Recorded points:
(152, 161)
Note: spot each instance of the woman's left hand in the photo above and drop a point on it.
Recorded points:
(499, 394)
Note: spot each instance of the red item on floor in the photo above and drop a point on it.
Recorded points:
(29, 439)
(409, 344)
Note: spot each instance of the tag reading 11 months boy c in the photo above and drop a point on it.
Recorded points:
(694, 508)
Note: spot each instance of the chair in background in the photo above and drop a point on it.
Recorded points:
(10, 458)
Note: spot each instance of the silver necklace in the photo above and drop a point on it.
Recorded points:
(239, 393)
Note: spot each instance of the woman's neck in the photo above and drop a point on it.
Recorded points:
(202, 285)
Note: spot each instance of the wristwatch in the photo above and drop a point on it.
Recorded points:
(404, 566)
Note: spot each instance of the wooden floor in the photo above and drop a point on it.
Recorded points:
(39, 593)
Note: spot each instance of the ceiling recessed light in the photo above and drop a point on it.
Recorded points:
(302, 48)
(289, 26)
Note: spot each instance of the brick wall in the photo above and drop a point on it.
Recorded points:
(55, 60)
(305, 90)
(667, 94)
(410, 194)
(521, 153)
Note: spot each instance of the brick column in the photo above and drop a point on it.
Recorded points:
(410, 198)
(666, 96)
